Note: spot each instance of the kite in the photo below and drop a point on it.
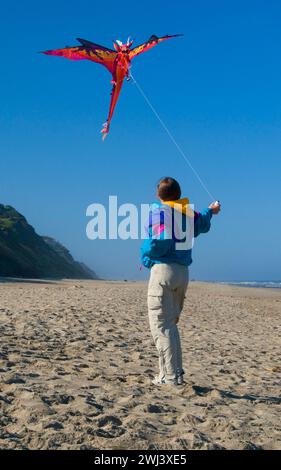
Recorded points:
(117, 62)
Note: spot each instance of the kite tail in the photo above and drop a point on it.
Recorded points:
(105, 130)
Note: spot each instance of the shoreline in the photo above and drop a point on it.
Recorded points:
(244, 284)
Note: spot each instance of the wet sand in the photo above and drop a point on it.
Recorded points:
(77, 359)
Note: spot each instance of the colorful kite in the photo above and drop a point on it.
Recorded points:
(116, 61)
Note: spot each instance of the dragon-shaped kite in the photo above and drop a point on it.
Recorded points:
(116, 61)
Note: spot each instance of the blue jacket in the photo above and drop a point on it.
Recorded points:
(170, 232)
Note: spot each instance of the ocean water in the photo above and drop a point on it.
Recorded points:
(268, 284)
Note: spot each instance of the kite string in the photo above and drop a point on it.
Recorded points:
(172, 137)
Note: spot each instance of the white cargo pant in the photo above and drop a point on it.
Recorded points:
(166, 292)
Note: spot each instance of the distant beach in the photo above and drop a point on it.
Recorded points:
(77, 361)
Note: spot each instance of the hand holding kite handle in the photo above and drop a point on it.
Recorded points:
(216, 207)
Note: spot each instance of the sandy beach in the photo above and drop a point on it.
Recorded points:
(77, 359)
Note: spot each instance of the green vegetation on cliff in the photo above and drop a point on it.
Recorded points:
(24, 253)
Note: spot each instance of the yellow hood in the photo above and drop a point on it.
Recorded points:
(180, 205)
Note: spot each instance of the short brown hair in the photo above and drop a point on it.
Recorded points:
(168, 189)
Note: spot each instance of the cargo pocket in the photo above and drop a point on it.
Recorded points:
(155, 298)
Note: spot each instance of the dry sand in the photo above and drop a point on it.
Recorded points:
(77, 361)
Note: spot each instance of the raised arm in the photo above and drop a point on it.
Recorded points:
(202, 220)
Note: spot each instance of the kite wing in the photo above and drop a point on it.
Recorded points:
(88, 51)
(153, 41)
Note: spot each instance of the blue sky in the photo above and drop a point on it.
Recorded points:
(217, 89)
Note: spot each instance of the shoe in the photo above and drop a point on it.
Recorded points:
(180, 379)
(158, 381)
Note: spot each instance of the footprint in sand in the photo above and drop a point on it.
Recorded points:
(110, 427)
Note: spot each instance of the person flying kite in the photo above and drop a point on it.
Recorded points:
(116, 61)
